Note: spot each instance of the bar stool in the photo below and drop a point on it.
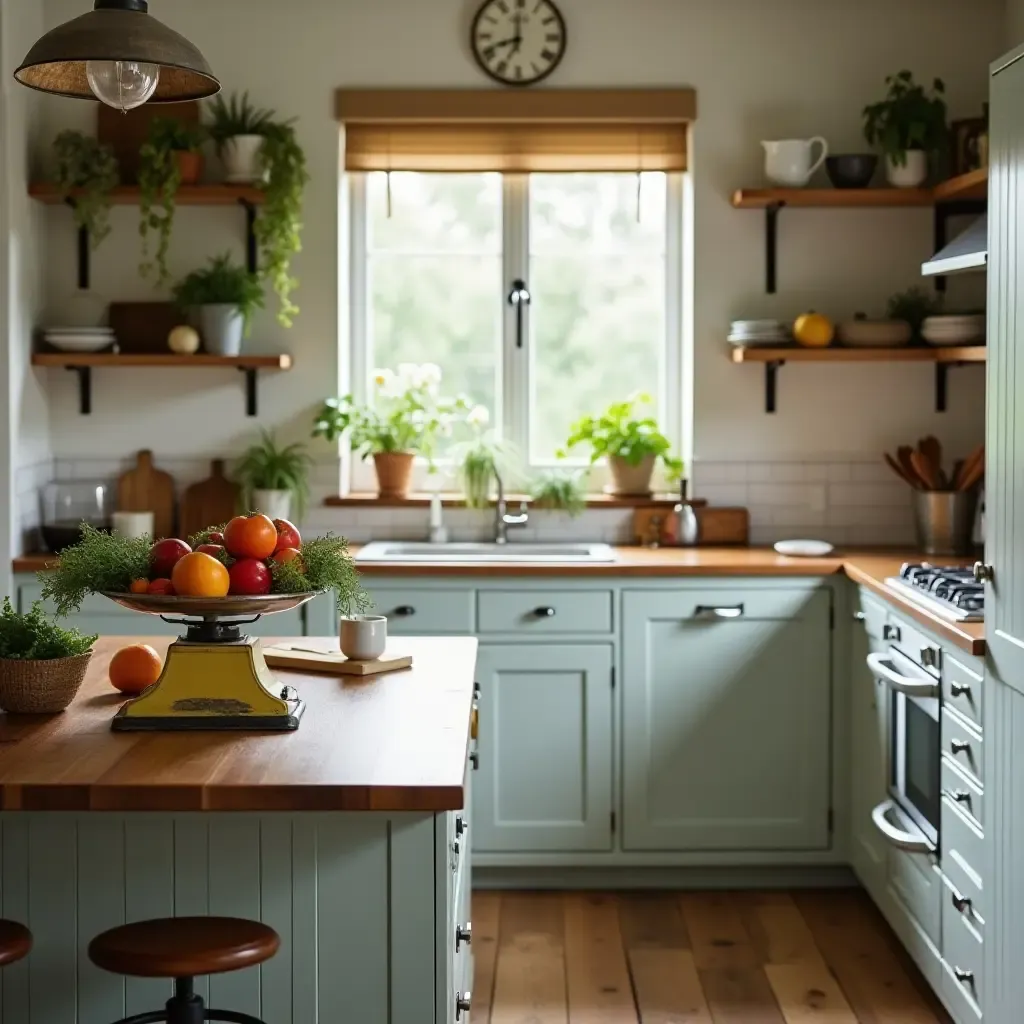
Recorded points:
(15, 942)
(181, 948)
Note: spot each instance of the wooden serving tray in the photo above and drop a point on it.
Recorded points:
(306, 659)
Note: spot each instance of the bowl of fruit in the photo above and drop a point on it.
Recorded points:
(250, 566)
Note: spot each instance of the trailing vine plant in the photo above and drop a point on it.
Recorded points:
(89, 169)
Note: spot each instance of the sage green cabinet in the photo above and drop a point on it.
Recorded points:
(545, 777)
(726, 719)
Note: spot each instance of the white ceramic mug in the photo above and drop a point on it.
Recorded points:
(134, 524)
(363, 637)
(788, 161)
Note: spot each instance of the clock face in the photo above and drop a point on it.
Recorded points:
(518, 42)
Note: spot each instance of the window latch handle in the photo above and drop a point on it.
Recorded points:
(517, 299)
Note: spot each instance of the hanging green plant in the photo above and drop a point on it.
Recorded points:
(169, 154)
(279, 225)
(88, 169)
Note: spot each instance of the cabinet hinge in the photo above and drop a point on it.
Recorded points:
(613, 677)
(831, 820)
(613, 821)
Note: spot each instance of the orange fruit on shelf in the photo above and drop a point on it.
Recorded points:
(253, 536)
(139, 586)
(199, 575)
(134, 668)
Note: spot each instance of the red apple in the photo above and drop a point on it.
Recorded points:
(216, 550)
(165, 587)
(250, 577)
(215, 537)
(165, 554)
(289, 555)
(287, 535)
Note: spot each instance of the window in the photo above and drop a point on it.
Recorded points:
(434, 258)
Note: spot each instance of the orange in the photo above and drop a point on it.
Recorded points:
(134, 668)
(139, 586)
(252, 536)
(199, 575)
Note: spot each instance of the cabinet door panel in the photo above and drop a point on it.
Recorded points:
(726, 721)
(545, 778)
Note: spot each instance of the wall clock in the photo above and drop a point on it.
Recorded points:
(518, 42)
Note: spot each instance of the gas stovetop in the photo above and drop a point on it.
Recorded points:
(949, 591)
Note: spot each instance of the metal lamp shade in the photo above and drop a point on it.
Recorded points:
(56, 63)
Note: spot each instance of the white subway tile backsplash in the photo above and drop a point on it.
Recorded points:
(885, 493)
(725, 494)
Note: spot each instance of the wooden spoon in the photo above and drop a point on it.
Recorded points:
(925, 470)
(903, 454)
(976, 458)
(901, 473)
(972, 475)
(931, 448)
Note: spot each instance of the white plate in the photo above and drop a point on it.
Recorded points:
(80, 344)
(804, 548)
(82, 331)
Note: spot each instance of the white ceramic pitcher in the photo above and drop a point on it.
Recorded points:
(788, 161)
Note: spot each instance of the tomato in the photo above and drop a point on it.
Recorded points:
(253, 536)
(249, 577)
(164, 554)
(200, 575)
(287, 535)
(139, 586)
(214, 550)
(165, 587)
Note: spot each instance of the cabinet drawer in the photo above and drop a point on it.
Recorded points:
(962, 689)
(917, 885)
(913, 643)
(545, 611)
(874, 614)
(962, 745)
(963, 855)
(711, 605)
(962, 952)
(422, 611)
(963, 894)
(963, 791)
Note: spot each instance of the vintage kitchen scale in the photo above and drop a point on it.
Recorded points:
(214, 677)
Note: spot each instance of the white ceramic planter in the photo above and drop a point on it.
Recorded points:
(912, 174)
(221, 327)
(241, 158)
(276, 504)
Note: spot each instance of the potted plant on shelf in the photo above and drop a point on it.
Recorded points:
(223, 295)
(237, 128)
(274, 480)
(913, 306)
(908, 125)
(405, 418)
(170, 157)
(87, 168)
(632, 443)
(559, 491)
(41, 665)
(481, 459)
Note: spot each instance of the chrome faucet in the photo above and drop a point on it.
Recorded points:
(502, 519)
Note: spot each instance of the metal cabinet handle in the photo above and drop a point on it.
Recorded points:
(859, 616)
(404, 611)
(959, 746)
(711, 611)
(930, 657)
(982, 573)
(959, 690)
(961, 903)
(881, 668)
(474, 760)
(901, 839)
(961, 796)
(463, 1002)
(461, 828)
(476, 689)
(964, 977)
(474, 721)
(891, 632)
(544, 612)
(463, 933)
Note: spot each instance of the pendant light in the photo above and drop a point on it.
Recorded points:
(121, 55)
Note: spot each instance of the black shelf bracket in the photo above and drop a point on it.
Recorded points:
(251, 247)
(771, 245)
(84, 388)
(251, 404)
(942, 383)
(771, 380)
(84, 245)
(940, 225)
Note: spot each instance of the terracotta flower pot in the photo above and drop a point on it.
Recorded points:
(190, 165)
(394, 473)
(630, 480)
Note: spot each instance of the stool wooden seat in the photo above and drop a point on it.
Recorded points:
(15, 942)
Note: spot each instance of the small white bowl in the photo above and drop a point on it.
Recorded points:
(804, 548)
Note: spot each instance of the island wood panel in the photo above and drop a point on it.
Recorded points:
(397, 741)
(351, 897)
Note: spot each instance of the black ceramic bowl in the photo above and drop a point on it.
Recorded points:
(851, 170)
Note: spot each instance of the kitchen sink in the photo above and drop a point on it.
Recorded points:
(406, 551)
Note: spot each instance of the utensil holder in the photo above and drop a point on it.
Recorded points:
(945, 521)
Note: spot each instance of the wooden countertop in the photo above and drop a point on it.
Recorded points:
(394, 742)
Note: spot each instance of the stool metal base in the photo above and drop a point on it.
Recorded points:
(185, 1007)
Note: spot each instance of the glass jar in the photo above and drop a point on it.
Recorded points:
(66, 504)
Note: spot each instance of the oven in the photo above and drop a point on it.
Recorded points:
(909, 820)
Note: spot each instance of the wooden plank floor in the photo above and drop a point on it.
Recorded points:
(817, 957)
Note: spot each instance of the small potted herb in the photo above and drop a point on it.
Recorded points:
(274, 479)
(406, 417)
(908, 126)
(224, 296)
(170, 157)
(88, 169)
(481, 459)
(237, 128)
(42, 665)
(913, 306)
(631, 442)
(560, 491)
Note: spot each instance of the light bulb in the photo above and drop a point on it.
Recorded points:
(122, 84)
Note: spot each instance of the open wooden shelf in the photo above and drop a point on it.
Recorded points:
(941, 357)
(187, 195)
(972, 185)
(83, 364)
(762, 198)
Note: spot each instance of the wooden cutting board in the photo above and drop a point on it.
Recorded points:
(210, 502)
(723, 525)
(308, 660)
(148, 489)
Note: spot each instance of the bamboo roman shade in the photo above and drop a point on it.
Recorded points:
(511, 131)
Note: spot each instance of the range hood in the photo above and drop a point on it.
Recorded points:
(968, 251)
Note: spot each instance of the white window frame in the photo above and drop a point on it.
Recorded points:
(513, 398)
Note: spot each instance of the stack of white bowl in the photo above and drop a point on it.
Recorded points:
(965, 329)
(759, 332)
(79, 339)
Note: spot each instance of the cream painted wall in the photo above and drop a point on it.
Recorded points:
(1014, 24)
(762, 68)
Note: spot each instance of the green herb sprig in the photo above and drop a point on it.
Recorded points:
(561, 491)
(325, 565)
(34, 636)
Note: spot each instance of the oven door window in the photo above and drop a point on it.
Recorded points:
(916, 753)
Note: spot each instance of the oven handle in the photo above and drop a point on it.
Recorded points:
(909, 841)
(881, 668)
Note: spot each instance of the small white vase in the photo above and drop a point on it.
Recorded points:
(221, 326)
(241, 158)
(275, 504)
(911, 174)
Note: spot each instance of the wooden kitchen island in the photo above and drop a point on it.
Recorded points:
(347, 837)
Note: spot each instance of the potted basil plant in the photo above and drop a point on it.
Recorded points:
(223, 295)
(274, 479)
